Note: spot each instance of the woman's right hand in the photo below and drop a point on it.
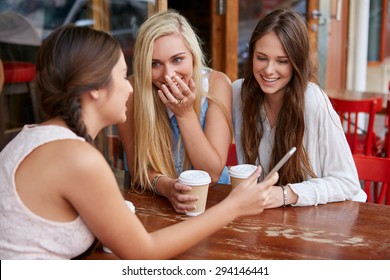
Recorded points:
(250, 197)
(173, 190)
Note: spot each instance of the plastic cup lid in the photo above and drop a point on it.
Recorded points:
(242, 171)
(194, 178)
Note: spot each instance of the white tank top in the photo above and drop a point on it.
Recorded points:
(23, 234)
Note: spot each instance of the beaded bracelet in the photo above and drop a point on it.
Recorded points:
(285, 201)
(153, 185)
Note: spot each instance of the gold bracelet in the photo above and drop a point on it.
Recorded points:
(153, 186)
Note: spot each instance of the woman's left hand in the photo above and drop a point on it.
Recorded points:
(177, 95)
(276, 198)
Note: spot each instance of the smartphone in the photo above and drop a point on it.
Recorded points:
(281, 162)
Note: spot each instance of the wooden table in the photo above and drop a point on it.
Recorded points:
(359, 95)
(343, 230)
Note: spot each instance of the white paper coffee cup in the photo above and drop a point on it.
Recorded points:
(199, 181)
(238, 173)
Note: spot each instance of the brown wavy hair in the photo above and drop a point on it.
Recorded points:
(72, 61)
(291, 29)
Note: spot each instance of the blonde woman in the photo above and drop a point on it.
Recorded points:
(179, 117)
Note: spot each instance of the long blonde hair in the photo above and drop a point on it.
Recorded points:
(153, 143)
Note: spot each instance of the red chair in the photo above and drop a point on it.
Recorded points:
(361, 139)
(386, 143)
(232, 156)
(18, 78)
(374, 172)
(18, 72)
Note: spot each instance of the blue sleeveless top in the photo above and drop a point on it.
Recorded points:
(178, 151)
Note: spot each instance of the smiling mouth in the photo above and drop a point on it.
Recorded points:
(270, 80)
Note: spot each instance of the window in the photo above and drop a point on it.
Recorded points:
(125, 17)
(250, 13)
(379, 29)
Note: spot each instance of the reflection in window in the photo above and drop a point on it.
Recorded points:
(44, 16)
(249, 14)
(126, 16)
(374, 30)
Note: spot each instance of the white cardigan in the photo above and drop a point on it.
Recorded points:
(325, 144)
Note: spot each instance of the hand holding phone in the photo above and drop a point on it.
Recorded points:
(281, 162)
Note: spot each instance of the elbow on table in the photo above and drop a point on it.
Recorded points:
(215, 177)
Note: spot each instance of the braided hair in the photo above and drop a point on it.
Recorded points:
(73, 60)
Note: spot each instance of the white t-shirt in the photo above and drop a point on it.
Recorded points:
(326, 147)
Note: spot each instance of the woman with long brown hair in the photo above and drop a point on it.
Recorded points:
(277, 107)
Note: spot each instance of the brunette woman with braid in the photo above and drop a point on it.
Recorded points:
(58, 192)
(276, 107)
